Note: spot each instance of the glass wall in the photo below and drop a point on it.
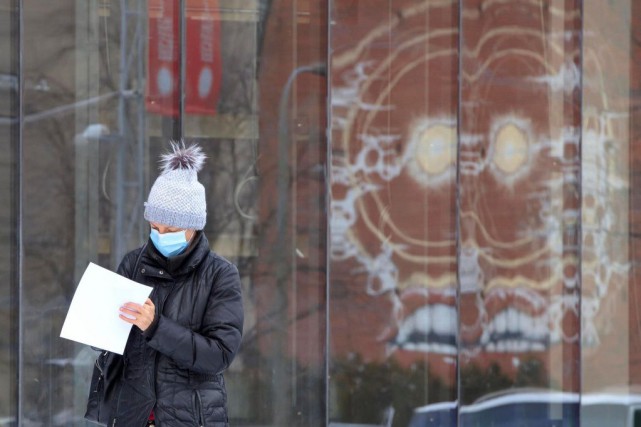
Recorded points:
(432, 204)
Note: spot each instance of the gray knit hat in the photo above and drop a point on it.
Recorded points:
(177, 199)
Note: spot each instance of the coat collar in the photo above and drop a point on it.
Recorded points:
(184, 262)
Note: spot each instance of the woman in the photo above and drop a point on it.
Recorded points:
(189, 330)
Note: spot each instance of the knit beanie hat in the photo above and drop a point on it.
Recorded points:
(177, 199)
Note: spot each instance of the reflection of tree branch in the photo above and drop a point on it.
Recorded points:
(252, 334)
(238, 92)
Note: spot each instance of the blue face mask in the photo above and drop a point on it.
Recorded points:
(169, 244)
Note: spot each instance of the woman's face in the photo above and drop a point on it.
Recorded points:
(162, 229)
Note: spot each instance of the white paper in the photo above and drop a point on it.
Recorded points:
(93, 314)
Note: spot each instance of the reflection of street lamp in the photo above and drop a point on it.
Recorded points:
(283, 178)
(86, 217)
(87, 183)
(284, 143)
(281, 255)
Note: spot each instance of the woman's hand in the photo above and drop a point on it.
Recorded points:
(139, 315)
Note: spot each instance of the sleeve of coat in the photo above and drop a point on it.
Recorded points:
(213, 349)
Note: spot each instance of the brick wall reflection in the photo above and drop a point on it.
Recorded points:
(525, 185)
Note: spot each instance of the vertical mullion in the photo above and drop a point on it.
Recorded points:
(457, 193)
(328, 201)
(17, 257)
(182, 55)
(580, 216)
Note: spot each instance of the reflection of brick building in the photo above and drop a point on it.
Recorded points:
(394, 98)
(635, 197)
(398, 128)
(487, 153)
(289, 283)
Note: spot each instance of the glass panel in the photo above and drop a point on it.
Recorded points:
(519, 205)
(221, 113)
(393, 314)
(266, 181)
(611, 296)
(9, 140)
(84, 178)
(165, 56)
(95, 125)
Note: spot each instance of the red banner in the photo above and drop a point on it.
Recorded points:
(203, 61)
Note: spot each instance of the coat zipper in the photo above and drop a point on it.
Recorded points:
(161, 307)
(101, 378)
(198, 403)
(113, 423)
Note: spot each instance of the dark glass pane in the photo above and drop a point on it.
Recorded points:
(9, 141)
(84, 177)
(102, 98)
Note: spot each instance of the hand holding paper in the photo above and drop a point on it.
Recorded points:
(93, 316)
(139, 315)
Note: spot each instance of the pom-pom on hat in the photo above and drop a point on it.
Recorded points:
(177, 199)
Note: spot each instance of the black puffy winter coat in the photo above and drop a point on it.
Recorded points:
(176, 366)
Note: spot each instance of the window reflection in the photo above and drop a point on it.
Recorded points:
(610, 333)
(393, 279)
(104, 97)
(519, 198)
(480, 244)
